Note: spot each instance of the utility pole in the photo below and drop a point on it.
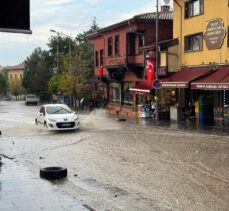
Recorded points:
(156, 65)
(70, 60)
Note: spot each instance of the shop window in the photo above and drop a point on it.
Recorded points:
(117, 44)
(194, 42)
(110, 46)
(96, 58)
(194, 8)
(127, 95)
(114, 92)
(131, 44)
(101, 57)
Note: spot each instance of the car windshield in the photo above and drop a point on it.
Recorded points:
(58, 110)
(31, 96)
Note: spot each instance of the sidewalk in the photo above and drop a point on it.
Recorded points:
(189, 126)
(21, 190)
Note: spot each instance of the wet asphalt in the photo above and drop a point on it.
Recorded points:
(111, 165)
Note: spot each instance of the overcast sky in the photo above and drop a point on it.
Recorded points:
(67, 16)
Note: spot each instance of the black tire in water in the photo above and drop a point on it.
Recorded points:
(53, 172)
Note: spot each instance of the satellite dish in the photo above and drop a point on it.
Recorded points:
(166, 1)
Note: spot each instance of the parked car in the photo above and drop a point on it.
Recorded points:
(5, 98)
(31, 99)
(57, 117)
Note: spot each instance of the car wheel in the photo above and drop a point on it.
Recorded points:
(53, 172)
(36, 122)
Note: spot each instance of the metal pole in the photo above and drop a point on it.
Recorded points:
(70, 71)
(57, 59)
(156, 65)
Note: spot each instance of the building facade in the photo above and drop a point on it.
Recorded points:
(119, 59)
(201, 26)
(15, 76)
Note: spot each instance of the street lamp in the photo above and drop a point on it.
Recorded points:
(70, 57)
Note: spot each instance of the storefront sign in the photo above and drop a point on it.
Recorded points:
(214, 34)
(174, 85)
(211, 86)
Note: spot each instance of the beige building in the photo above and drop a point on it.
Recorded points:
(15, 76)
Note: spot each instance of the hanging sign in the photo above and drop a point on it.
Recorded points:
(214, 34)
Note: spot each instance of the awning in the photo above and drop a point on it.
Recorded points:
(182, 78)
(144, 87)
(218, 80)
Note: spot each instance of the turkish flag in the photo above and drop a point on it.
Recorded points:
(100, 72)
(150, 70)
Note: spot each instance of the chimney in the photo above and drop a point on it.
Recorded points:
(165, 8)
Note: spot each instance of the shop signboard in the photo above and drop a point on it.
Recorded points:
(214, 34)
(209, 86)
(174, 84)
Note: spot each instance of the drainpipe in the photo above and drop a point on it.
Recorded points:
(180, 30)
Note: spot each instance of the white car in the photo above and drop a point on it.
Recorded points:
(57, 117)
(31, 99)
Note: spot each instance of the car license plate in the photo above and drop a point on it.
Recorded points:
(66, 124)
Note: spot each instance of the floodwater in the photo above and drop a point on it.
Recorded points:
(111, 165)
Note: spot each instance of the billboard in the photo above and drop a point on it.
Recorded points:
(15, 16)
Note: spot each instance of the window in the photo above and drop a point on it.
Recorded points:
(194, 42)
(11, 76)
(20, 76)
(110, 46)
(114, 92)
(101, 57)
(96, 58)
(127, 95)
(140, 40)
(131, 44)
(193, 8)
(116, 45)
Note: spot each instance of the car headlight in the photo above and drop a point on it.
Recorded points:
(51, 120)
(75, 118)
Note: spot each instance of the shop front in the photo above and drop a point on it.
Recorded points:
(213, 98)
(182, 101)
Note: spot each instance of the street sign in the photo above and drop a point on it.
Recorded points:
(156, 84)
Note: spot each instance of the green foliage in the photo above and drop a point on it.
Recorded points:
(75, 60)
(54, 84)
(38, 71)
(3, 83)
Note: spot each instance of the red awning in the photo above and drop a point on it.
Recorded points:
(218, 80)
(182, 78)
(144, 86)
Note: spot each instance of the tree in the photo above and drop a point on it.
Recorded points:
(16, 88)
(75, 62)
(3, 83)
(54, 84)
(38, 71)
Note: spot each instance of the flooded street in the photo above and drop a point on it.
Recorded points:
(111, 165)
